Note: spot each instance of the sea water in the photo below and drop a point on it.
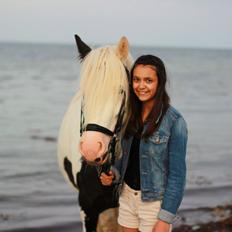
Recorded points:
(37, 82)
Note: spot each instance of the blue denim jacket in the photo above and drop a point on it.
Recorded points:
(162, 164)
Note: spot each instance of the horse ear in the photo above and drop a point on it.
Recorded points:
(83, 48)
(122, 49)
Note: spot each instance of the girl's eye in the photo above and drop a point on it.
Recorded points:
(135, 79)
(149, 81)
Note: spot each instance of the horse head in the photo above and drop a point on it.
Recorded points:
(104, 88)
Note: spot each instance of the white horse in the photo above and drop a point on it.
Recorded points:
(92, 128)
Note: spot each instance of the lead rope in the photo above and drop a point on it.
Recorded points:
(117, 129)
(82, 119)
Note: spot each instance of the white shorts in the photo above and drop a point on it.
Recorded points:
(135, 213)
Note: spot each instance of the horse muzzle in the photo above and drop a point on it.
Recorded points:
(94, 147)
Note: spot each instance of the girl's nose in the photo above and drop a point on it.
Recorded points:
(141, 85)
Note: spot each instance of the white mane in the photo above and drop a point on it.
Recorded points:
(103, 78)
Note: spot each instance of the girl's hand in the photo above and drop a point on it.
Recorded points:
(107, 179)
(161, 226)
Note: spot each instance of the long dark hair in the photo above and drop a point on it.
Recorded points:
(161, 98)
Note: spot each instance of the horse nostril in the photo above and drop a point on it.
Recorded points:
(98, 160)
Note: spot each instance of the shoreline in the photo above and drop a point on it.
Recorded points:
(205, 219)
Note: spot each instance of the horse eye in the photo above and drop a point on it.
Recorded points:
(121, 91)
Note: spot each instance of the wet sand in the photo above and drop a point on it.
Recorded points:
(217, 219)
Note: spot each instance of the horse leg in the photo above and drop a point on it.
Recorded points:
(89, 221)
(108, 221)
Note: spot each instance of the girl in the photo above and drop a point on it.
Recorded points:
(152, 169)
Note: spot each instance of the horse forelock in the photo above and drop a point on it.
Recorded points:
(103, 78)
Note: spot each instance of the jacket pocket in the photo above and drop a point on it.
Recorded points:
(159, 139)
(158, 143)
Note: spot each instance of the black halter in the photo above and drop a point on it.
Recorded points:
(110, 153)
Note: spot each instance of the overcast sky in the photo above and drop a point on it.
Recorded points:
(178, 23)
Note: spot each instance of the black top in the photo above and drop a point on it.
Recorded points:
(132, 176)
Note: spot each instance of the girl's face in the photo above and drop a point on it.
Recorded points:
(145, 82)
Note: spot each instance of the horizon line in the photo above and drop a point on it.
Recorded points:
(101, 44)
